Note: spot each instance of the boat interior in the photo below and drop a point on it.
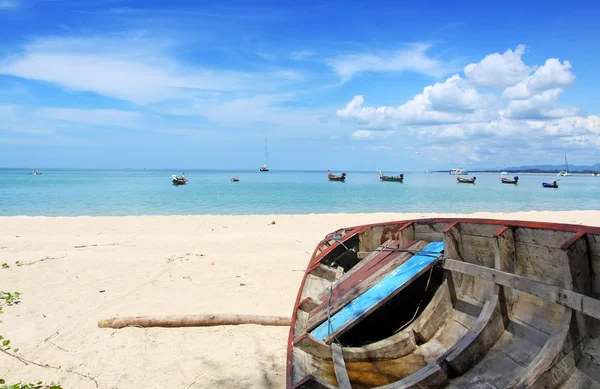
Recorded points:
(458, 303)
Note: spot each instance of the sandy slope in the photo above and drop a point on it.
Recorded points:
(164, 265)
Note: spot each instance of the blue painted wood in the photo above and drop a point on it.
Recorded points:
(392, 283)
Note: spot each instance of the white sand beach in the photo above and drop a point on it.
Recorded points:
(91, 268)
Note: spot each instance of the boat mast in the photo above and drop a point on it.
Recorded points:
(566, 163)
(266, 153)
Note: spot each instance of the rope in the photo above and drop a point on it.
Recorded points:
(418, 306)
(411, 251)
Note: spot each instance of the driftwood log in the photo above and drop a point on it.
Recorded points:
(193, 321)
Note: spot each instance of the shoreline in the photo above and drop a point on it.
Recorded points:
(78, 270)
(400, 215)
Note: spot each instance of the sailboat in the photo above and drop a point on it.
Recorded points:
(564, 173)
(265, 167)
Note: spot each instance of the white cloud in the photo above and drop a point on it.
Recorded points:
(453, 95)
(447, 102)
(366, 134)
(130, 67)
(553, 74)
(414, 58)
(538, 106)
(468, 123)
(8, 4)
(104, 117)
(498, 70)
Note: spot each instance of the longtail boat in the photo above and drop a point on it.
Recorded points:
(178, 180)
(514, 180)
(398, 178)
(466, 180)
(554, 184)
(458, 303)
(333, 177)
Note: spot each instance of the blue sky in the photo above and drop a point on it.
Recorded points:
(333, 84)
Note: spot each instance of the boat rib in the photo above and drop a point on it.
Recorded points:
(508, 304)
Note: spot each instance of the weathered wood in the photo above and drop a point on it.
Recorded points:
(568, 298)
(546, 358)
(380, 293)
(504, 250)
(352, 287)
(396, 346)
(300, 323)
(434, 315)
(341, 374)
(314, 286)
(308, 304)
(376, 254)
(505, 258)
(193, 321)
(429, 377)
(479, 339)
(312, 382)
(326, 272)
(406, 233)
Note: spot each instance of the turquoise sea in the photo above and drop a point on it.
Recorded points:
(58, 192)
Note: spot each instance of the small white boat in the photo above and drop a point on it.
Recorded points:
(265, 167)
(503, 173)
(458, 171)
(564, 173)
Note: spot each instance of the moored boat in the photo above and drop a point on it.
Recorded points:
(460, 303)
(265, 166)
(466, 180)
(457, 171)
(178, 180)
(398, 178)
(514, 180)
(333, 177)
(554, 184)
(235, 179)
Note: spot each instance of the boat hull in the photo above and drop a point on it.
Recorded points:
(465, 180)
(505, 307)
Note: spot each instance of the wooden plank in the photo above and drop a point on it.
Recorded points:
(396, 346)
(407, 232)
(544, 361)
(341, 374)
(504, 250)
(431, 376)
(326, 272)
(348, 289)
(379, 293)
(308, 304)
(377, 254)
(434, 315)
(505, 258)
(567, 298)
(482, 335)
(311, 382)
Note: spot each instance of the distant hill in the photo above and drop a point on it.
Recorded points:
(545, 168)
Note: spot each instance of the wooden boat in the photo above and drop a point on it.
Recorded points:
(515, 180)
(466, 180)
(458, 303)
(398, 178)
(178, 180)
(554, 184)
(333, 177)
(235, 179)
